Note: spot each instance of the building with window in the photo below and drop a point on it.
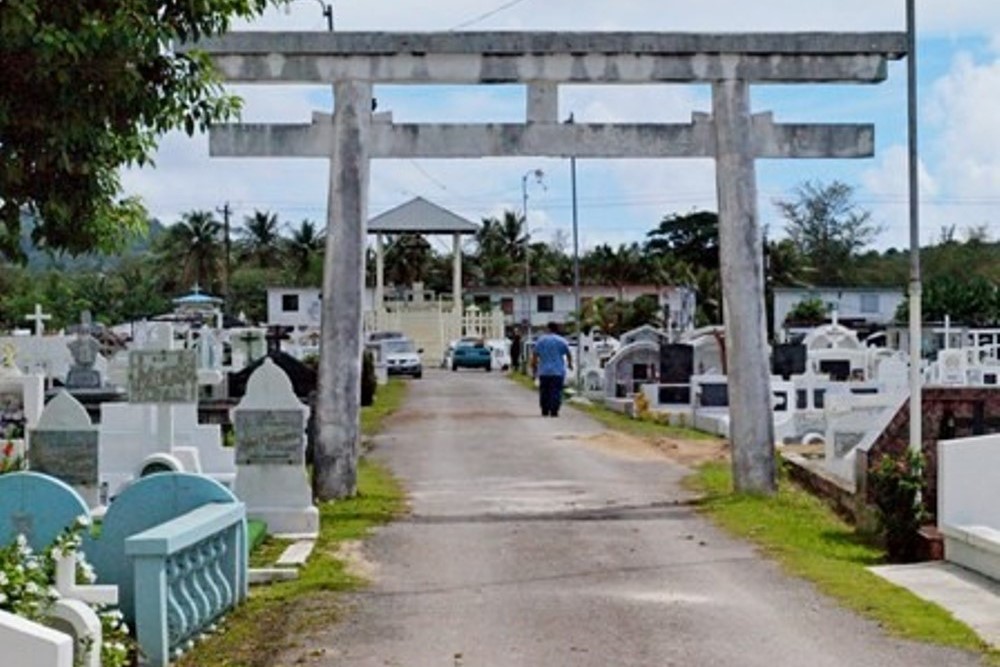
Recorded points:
(856, 307)
(543, 304)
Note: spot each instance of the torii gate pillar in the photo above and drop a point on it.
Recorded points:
(741, 256)
(343, 287)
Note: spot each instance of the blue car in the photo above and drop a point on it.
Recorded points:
(472, 354)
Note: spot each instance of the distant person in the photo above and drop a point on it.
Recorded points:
(551, 359)
(515, 351)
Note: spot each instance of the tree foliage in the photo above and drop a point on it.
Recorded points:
(827, 228)
(87, 88)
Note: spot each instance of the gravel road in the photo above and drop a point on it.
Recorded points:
(540, 542)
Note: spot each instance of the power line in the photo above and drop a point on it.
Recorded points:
(483, 17)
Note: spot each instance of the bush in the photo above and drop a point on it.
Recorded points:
(368, 381)
(896, 483)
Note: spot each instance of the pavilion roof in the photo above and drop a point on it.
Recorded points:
(419, 216)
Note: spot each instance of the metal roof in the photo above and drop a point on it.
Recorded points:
(419, 216)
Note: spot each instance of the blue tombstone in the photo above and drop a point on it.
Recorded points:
(37, 506)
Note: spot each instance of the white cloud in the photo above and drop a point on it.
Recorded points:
(619, 201)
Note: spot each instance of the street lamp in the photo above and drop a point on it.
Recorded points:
(538, 174)
(327, 12)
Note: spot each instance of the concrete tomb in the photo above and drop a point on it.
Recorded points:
(270, 428)
(64, 445)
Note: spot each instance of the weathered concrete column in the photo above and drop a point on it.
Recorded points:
(339, 398)
(741, 254)
(379, 278)
(456, 273)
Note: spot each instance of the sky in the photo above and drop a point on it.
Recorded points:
(619, 201)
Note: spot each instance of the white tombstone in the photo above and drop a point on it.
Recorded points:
(270, 424)
(22, 397)
(65, 445)
(158, 429)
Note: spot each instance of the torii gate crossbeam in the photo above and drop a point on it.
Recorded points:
(354, 62)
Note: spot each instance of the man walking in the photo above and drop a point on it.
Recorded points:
(550, 352)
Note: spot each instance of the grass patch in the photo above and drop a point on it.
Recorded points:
(810, 541)
(257, 631)
(388, 398)
(643, 428)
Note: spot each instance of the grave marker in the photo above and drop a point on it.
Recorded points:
(65, 446)
(271, 478)
(162, 376)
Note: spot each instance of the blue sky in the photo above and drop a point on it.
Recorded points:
(959, 77)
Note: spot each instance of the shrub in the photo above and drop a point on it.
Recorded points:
(368, 381)
(27, 581)
(896, 482)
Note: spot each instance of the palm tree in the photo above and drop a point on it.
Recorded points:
(305, 243)
(408, 259)
(197, 240)
(260, 238)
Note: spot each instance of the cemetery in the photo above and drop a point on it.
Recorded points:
(144, 462)
(121, 442)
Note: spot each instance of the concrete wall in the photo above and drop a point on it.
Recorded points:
(27, 644)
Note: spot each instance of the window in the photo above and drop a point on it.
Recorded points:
(546, 303)
(507, 305)
(289, 303)
(869, 303)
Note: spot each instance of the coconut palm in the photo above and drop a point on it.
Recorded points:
(196, 241)
(306, 242)
(260, 238)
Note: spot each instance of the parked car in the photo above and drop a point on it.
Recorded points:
(401, 357)
(471, 354)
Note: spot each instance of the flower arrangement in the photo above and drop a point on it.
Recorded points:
(10, 460)
(27, 589)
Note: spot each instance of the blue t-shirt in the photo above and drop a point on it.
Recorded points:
(552, 351)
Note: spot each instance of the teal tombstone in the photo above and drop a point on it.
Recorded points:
(37, 506)
(148, 502)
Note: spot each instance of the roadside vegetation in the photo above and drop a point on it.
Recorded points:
(253, 634)
(808, 540)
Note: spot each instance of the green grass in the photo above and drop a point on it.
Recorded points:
(254, 633)
(388, 398)
(809, 541)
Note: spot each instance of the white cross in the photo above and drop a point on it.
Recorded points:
(39, 318)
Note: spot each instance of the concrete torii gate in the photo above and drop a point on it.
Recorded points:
(353, 135)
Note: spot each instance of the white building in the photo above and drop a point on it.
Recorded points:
(854, 305)
(544, 304)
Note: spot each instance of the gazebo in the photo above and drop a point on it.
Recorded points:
(419, 216)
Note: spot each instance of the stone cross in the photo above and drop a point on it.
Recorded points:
(39, 318)
(735, 137)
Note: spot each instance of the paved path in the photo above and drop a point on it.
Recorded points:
(532, 544)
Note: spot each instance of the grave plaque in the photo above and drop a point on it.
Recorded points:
(270, 437)
(162, 376)
(67, 455)
(676, 363)
(715, 395)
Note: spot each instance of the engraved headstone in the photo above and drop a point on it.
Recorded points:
(65, 445)
(270, 437)
(270, 423)
(162, 376)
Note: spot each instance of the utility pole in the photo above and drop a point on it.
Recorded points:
(226, 212)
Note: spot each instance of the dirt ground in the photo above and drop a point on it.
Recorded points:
(690, 453)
